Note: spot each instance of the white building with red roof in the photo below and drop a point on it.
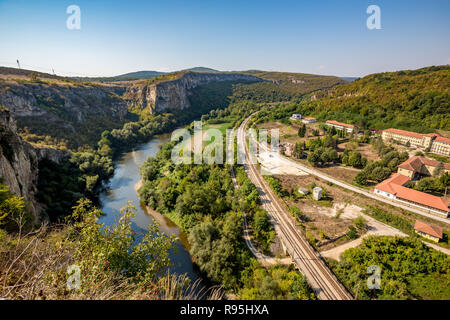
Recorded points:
(340, 126)
(435, 142)
(393, 188)
(308, 120)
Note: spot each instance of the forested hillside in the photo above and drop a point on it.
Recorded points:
(416, 100)
(283, 86)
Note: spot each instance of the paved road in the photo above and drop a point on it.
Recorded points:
(353, 188)
(322, 281)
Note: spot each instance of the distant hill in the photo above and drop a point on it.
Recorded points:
(283, 86)
(140, 75)
(145, 74)
(349, 79)
(202, 70)
(416, 100)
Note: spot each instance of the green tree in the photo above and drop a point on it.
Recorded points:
(302, 131)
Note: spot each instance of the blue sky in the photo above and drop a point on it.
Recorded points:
(323, 37)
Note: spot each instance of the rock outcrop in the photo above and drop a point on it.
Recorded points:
(61, 102)
(19, 162)
(174, 94)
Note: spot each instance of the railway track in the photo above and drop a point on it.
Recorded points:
(323, 282)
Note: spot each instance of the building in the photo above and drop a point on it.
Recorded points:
(287, 148)
(441, 145)
(416, 167)
(308, 120)
(393, 188)
(432, 141)
(317, 193)
(340, 126)
(296, 116)
(402, 136)
(428, 231)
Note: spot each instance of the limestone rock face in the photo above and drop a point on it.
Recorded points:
(19, 162)
(174, 94)
(59, 102)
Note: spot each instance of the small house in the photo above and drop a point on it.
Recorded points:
(428, 231)
(309, 120)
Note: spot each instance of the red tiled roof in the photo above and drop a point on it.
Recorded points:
(416, 163)
(432, 135)
(443, 139)
(392, 186)
(435, 136)
(396, 178)
(413, 164)
(340, 124)
(428, 229)
(405, 133)
(309, 118)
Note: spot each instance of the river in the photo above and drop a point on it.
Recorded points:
(122, 188)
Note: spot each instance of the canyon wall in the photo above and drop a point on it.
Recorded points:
(174, 94)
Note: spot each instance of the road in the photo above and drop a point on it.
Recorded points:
(320, 278)
(353, 188)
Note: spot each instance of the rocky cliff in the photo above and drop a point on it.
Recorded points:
(63, 108)
(61, 102)
(19, 162)
(174, 94)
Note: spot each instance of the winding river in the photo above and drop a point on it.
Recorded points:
(122, 188)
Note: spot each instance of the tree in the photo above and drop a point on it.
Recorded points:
(314, 158)
(361, 178)
(330, 142)
(379, 174)
(439, 169)
(298, 150)
(149, 169)
(360, 223)
(213, 252)
(302, 131)
(355, 159)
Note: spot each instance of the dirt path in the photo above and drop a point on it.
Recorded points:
(377, 228)
(263, 259)
(374, 227)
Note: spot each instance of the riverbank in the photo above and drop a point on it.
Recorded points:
(122, 188)
(166, 222)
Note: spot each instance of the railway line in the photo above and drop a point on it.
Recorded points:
(323, 282)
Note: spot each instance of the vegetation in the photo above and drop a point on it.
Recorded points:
(282, 86)
(408, 269)
(263, 231)
(377, 171)
(415, 100)
(275, 282)
(434, 185)
(108, 261)
(202, 200)
(13, 211)
(394, 220)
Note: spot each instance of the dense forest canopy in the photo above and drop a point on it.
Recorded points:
(416, 100)
(408, 269)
